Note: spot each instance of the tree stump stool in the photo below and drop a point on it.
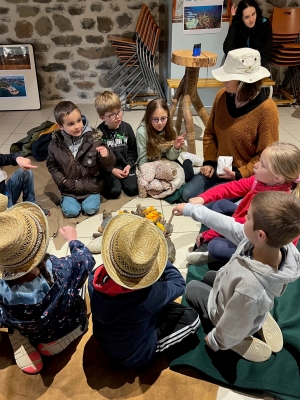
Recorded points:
(187, 93)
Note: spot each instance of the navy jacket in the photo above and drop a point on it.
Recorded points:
(62, 309)
(125, 324)
(7, 159)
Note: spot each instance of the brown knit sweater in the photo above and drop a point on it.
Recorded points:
(244, 138)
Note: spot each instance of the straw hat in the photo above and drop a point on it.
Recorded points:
(3, 202)
(24, 238)
(134, 251)
(241, 65)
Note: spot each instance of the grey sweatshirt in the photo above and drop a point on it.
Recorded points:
(74, 142)
(244, 289)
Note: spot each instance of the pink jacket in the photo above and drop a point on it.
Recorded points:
(246, 188)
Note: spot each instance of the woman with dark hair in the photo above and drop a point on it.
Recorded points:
(249, 29)
(242, 122)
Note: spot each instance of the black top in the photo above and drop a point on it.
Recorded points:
(258, 38)
(122, 142)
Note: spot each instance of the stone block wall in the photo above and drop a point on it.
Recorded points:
(70, 40)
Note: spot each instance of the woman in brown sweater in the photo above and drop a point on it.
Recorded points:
(242, 122)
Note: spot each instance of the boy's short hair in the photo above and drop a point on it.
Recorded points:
(278, 215)
(107, 102)
(62, 109)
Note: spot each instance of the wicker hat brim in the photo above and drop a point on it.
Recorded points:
(9, 273)
(158, 266)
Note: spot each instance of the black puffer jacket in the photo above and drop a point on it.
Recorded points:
(82, 172)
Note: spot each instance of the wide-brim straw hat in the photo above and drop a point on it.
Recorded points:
(241, 65)
(24, 238)
(134, 251)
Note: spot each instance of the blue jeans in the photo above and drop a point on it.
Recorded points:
(221, 248)
(72, 207)
(200, 184)
(20, 182)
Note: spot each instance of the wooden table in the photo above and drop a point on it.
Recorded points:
(187, 93)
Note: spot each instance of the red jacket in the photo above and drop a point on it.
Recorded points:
(246, 188)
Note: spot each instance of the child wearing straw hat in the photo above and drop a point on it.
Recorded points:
(132, 294)
(39, 293)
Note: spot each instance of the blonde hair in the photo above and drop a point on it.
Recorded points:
(284, 159)
(278, 215)
(107, 102)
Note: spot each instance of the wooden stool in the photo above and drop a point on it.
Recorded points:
(187, 93)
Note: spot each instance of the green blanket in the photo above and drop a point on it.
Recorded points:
(279, 375)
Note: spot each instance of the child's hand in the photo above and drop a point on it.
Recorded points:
(178, 210)
(102, 150)
(228, 174)
(199, 239)
(207, 171)
(118, 173)
(25, 163)
(126, 171)
(196, 200)
(69, 233)
(207, 342)
(179, 141)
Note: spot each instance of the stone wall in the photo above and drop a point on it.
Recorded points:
(70, 40)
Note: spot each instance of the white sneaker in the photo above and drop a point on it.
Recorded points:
(196, 160)
(199, 256)
(27, 357)
(271, 334)
(49, 349)
(253, 349)
(196, 170)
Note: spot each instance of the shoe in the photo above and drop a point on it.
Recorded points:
(199, 256)
(271, 334)
(196, 160)
(51, 348)
(45, 211)
(196, 170)
(253, 349)
(95, 245)
(26, 356)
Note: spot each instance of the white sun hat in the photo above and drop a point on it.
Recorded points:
(241, 65)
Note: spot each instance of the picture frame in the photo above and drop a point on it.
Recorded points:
(177, 11)
(18, 81)
(201, 17)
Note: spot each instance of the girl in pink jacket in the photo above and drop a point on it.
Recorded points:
(278, 169)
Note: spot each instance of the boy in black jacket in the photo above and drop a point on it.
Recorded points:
(120, 138)
(132, 294)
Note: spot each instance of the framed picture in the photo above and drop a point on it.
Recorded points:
(201, 17)
(18, 83)
(177, 11)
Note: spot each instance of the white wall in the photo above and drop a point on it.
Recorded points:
(212, 42)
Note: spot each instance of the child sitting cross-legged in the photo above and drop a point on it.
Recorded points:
(120, 138)
(132, 294)
(278, 169)
(40, 298)
(77, 159)
(234, 302)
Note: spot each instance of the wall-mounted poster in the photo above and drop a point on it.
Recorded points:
(18, 83)
(202, 16)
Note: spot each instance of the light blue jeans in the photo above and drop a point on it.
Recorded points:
(21, 182)
(72, 207)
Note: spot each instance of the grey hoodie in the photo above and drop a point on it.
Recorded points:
(244, 289)
(74, 142)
